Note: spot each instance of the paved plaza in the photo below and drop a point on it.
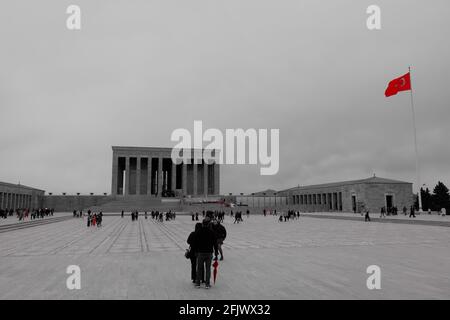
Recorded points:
(309, 258)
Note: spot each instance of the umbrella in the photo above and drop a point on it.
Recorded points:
(215, 267)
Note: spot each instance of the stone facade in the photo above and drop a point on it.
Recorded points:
(73, 202)
(16, 196)
(150, 171)
(352, 196)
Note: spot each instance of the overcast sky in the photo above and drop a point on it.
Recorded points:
(137, 70)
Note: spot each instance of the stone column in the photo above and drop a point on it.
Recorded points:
(138, 175)
(127, 176)
(216, 179)
(184, 179)
(195, 174)
(115, 168)
(160, 176)
(205, 179)
(174, 177)
(149, 176)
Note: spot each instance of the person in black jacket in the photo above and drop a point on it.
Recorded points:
(412, 212)
(221, 234)
(193, 250)
(205, 244)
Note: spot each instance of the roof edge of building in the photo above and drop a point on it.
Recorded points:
(17, 185)
(371, 180)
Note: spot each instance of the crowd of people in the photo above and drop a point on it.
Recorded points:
(238, 216)
(77, 214)
(289, 215)
(94, 219)
(25, 213)
(207, 239)
(215, 215)
(388, 211)
(158, 216)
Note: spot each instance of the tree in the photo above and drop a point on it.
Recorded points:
(427, 201)
(441, 197)
(416, 201)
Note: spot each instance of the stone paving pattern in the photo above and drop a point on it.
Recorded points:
(308, 258)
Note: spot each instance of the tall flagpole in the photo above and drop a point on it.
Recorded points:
(415, 145)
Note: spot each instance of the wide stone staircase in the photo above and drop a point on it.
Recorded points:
(116, 204)
(139, 203)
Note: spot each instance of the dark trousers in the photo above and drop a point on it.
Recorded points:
(204, 267)
(193, 268)
(219, 246)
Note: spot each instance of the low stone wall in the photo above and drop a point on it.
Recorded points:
(70, 203)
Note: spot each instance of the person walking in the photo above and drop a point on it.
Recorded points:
(383, 212)
(98, 219)
(206, 244)
(193, 252)
(412, 212)
(367, 216)
(89, 220)
(220, 233)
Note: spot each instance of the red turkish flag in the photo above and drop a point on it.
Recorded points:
(402, 83)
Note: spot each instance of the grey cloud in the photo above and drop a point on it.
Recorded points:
(137, 71)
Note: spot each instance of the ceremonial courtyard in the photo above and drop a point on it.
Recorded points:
(309, 258)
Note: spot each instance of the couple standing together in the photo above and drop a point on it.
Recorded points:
(207, 239)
